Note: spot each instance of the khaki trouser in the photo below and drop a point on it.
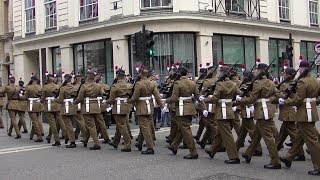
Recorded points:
(263, 129)
(101, 126)
(225, 136)
(91, 120)
(307, 134)
(153, 130)
(184, 133)
(61, 126)
(68, 123)
(22, 121)
(211, 128)
(275, 131)
(1, 121)
(52, 120)
(202, 125)
(173, 127)
(146, 131)
(235, 123)
(128, 127)
(34, 117)
(80, 125)
(122, 129)
(247, 126)
(13, 123)
(288, 128)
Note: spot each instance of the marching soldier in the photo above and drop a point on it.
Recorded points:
(183, 90)
(287, 115)
(23, 109)
(143, 90)
(2, 95)
(51, 108)
(88, 97)
(305, 100)
(261, 96)
(13, 107)
(222, 97)
(33, 94)
(118, 95)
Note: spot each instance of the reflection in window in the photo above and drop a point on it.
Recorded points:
(276, 48)
(88, 9)
(56, 60)
(51, 13)
(97, 56)
(30, 11)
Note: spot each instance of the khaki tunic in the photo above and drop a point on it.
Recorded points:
(12, 92)
(286, 113)
(2, 95)
(47, 92)
(207, 83)
(67, 92)
(144, 88)
(224, 90)
(263, 88)
(33, 91)
(120, 90)
(307, 87)
(185, 88)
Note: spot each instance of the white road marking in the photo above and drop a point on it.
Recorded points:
(47, 146)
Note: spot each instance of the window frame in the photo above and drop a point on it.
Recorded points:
(282, 7)
(85, 6)
(54, 15)
(155, 7)
(239, 11)
(314, 14)
(31, 9)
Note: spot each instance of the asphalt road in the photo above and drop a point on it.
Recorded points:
(24, 159)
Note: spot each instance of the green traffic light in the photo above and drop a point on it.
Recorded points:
(152, 52)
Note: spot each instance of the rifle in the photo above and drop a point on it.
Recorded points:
(221, 78)
(134, 85)
(207, 77)
(248, 88)
(56, 92)
(246, 79)
(293, 87)
(286, 80)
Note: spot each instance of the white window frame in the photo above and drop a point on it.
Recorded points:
(155, 7)
(238, 2)
(50, 14)
(284, 5)
(314, 12)
(85, 6)
(30, 22)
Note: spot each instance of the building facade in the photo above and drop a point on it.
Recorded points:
(6, 37)
(72, 35)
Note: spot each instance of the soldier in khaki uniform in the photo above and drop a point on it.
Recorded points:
(51, 108)
(236, 122)
(287, 115)
(89, 91)
(23, 109)
(118, 95)
(12, 106)
(33, 94)
(143, 90)
(183, 90)
(305, 100)
(262, 94)
(79, 118)
(222, 98)
(2, 95)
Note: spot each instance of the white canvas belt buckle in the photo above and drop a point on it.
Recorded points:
(50, 99)
(264, 107)
(67, 104)
(210, 105)
(224, 107)
(119, 104)
(31, 102)
(88, 103)
(248, 112)
(181, 99)
(147, 99)
(308, 107)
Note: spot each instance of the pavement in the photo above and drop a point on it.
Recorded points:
(25, 159)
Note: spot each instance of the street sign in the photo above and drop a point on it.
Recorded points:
(317, 48)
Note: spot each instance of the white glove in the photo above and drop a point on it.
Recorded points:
(125, 101)
(104, 101)
(109, 109)
(294, 108)
(205, 113)
(251, 109)
(164, 101)
(164, 109)
(234, 108)
(238, 98)
(281, 101)
(20, 95)
(201, 98)
(134, 108)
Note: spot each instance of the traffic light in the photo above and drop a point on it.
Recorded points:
(149, 43)
(289, 52)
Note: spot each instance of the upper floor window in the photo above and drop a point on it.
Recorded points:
(88, 9)
(155, 3)
(284, 10)
(51, 13)
(313, 9)
(30, 11)
(235, 5)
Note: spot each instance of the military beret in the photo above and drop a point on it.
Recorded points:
(34, 78)
(90, 73)
(290, 70)
(304, 64)
(246, 73)
(11, 77)
(211, 67)
(262, 66)
(203, 70)
(225, 69)
(50, 76)
(67, 76)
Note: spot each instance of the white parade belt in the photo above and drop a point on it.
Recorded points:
(308, 107)
(248, 112)
(99, 98)
(50, 99)
(147, 99)
(154, 100)
(79, 106)
(210, 104)
(88, 103)
(31, 102)
(67, 104)
(264, 107)
(119, 103)
(181, 99)
(224, 107)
